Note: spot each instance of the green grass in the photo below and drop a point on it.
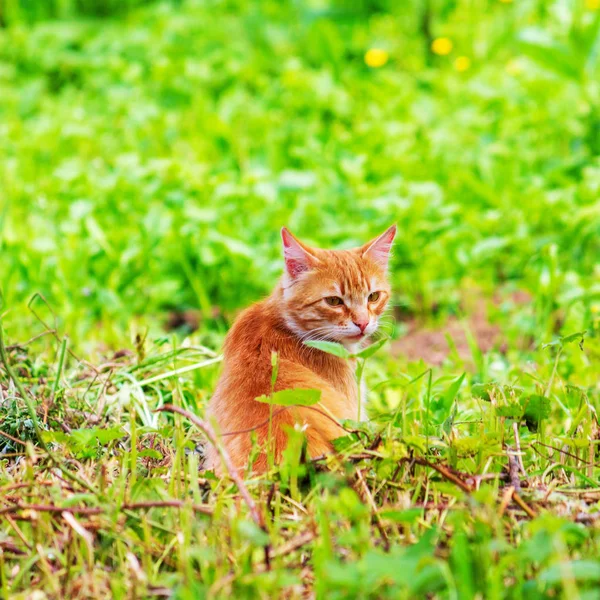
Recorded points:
(147, 163)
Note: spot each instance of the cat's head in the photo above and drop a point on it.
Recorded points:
(336, 295)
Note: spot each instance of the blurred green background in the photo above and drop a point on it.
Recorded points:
(151, 151)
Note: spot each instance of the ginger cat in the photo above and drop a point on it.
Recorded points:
(335, 295)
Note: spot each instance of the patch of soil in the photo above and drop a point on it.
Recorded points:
(188, 320)
(431, 344)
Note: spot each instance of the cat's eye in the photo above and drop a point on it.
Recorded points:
(374, 296)
(334, 301)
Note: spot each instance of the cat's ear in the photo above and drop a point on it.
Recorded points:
(378, 250)
(298, 257)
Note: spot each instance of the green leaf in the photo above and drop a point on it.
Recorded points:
(567, 339)
(370, 350)
(151, 453)
(574, 336)
(452, 391)
(449, 421)
(538, 45)
(511, 411)
(469, 445)
(409, 515)
(580, 570)
(252, 533)
(81, 438)
(342, 443)
(293, 397)
(551, 344)
(536, 407)
(78, 499)
(481, 390)
(329, 347)
(57, 437)
(105, 436)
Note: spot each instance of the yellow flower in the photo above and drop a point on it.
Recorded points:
(462, 63)
(592, 4)
(441, 46)
(506, 1)
(376, 57)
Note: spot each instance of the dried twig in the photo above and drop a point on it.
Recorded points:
(18, 531)
(506, 498)
(82, 510)
(199, 508)
(23, 345)
(210, 433)
(563, 452)
(366, 494)
(13, 439)
(513, 471)
(295, 543)
(518, 500)
(445, 472)
(518, 446)
(465, 487)
(96, 510)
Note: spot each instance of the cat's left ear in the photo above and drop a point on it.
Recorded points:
(298, 257)
(378, 250)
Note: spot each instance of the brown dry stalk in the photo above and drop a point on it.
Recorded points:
(13, 439)
(210, 433)
(465, 487)
(513, 471)
(18, 531)
(562, 452)
(29, 341)
(518, 500)
(518, 446)
(506, 498)
(442, 470)
(365, 492)
(20, 486)
(86, 510)
(295, 543)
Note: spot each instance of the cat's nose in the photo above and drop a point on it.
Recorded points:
(362, 324)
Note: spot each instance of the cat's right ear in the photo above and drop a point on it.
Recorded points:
(298, 257)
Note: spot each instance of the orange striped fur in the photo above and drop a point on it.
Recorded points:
(299, 309)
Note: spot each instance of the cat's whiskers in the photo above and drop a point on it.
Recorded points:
(318, 334)
(317, 331)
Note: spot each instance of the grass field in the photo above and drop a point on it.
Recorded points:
(149, 155)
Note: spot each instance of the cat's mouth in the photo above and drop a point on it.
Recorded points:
(358, 336)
